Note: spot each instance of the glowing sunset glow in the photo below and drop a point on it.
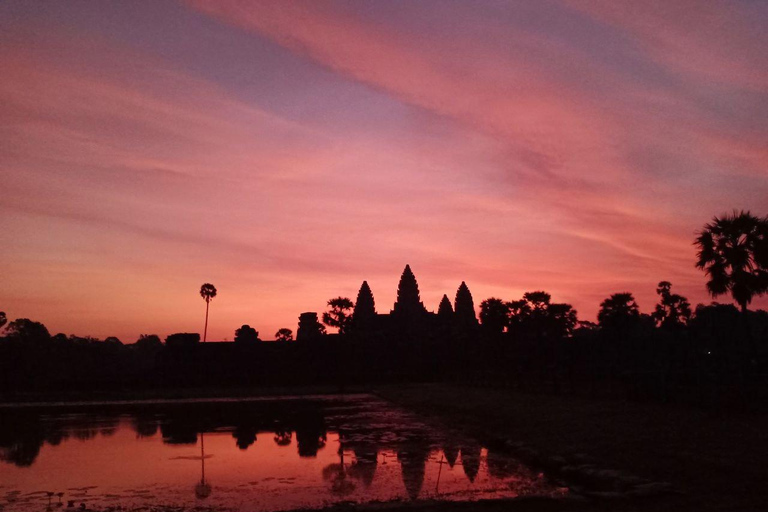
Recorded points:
(287, 151)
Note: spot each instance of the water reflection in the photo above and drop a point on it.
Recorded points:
(321, 451)
(203, 488)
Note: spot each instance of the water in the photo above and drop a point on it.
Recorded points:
(238, 455)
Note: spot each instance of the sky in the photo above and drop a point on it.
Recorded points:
(286, 151)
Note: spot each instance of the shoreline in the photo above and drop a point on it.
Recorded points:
(174, 395)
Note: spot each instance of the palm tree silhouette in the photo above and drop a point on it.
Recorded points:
(733, 252)
(207, 292)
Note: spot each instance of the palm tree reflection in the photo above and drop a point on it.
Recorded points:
(202, 489)
(337, 475)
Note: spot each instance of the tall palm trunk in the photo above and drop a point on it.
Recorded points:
(205, 331)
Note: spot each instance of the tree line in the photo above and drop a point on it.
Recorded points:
(711, 353)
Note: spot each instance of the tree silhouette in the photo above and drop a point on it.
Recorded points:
(535, 315)
(408, 298)
(245, 435)
(246, 334)
(3, 319)
(519, 314)
(618, 311)
(284, 334)
(148, 342)
(733, 252)
(494, 315)
(464, 306)
(283, 437)
(365, 307)
(339, 316)
(24, 329)
(207, 292)
(562, 319)
(184, 340)
(538, 300)
(673, 311)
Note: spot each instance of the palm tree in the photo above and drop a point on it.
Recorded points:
(673, 311)
(733, 252)
(207, 292)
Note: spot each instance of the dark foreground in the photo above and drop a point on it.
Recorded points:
(712, 461)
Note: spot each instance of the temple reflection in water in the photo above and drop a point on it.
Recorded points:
(304, 452)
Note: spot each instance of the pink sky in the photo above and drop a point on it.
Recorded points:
(286, 151)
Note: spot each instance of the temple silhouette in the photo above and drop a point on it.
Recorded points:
(408, 316)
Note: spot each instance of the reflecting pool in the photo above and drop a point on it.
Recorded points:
(243, 455)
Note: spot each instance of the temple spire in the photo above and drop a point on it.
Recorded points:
(365, 307)
(408, 298)
(445, 310)
(464, 306)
